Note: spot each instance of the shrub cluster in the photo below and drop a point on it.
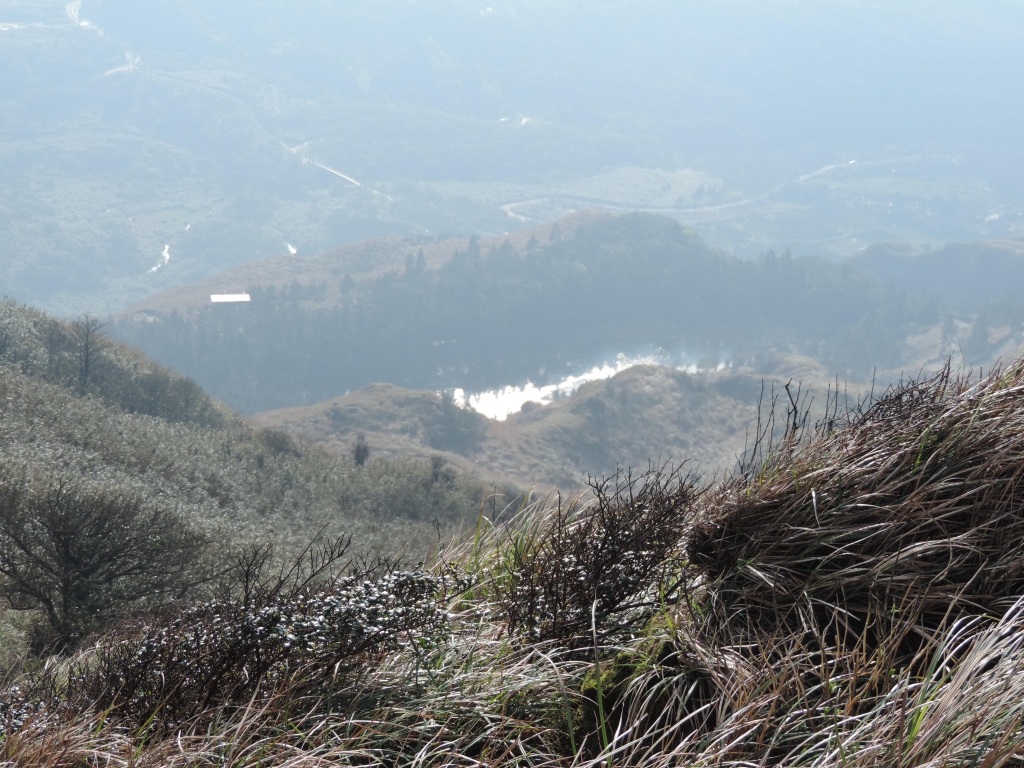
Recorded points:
(223, 652)
(85, 554)
(304, 630)
(594, 561)
(852, 598)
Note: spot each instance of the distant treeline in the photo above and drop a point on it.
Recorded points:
(491, 318)
(78, 356)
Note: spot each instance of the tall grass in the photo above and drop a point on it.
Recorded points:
(854, 597)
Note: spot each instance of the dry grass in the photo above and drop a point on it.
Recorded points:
(854, 598)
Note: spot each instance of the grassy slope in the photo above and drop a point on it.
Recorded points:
(224, 473)
(646, 413)
(854, 599)
(642, 414)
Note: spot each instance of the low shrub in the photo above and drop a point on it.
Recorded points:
(595, 560)
(854, 598)
(302, 629)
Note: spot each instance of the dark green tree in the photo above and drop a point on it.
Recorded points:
(85, 556)
(360, 451)
(87, 344)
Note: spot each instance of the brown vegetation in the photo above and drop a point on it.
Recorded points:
(644, 413)
(853, 597)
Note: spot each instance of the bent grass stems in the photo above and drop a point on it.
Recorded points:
(852, 598)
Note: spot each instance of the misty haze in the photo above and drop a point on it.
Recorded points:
(548, 382)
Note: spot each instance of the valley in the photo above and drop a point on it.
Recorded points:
(548, 383)
(695, 404)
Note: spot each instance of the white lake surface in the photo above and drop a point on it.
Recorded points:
(501, 403)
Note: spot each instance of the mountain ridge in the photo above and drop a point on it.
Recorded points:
(643, 415)
(978, 270)
(361, 261)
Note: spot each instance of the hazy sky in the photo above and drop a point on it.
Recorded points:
(764, 75)
(112, 110)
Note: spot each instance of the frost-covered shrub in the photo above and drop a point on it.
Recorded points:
(16, 709)
(176, 666)
(596, 561)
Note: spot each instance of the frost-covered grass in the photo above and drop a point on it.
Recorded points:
(853, 598)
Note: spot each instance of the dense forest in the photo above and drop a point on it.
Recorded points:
(495, 317)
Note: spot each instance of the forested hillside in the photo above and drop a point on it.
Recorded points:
(362, 261)
(115, 471)
(491, 317)
(990, 270)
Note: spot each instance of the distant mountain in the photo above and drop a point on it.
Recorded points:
(988, 269)
(506, 310)
(645, 414)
